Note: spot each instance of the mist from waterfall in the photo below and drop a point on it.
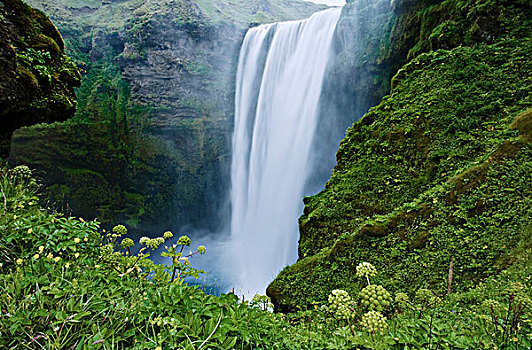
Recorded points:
(278, 86)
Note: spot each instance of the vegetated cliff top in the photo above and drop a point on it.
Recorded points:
(36, 78)
(439, 171)
(114, 14)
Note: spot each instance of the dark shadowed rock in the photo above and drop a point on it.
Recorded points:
(36, 78)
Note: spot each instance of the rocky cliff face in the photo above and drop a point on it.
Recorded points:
(151, 140)
(36, 78)
(439, 171)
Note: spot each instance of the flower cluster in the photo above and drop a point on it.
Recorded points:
(366, 270)
(127, 243)
(108, 255)
(373, 321)
(40, 252)
(402, 301)
(261, 301)
(426, 297)
(184, 240)
(123, 263)
(340, 303)
(423, 296)
(106, 250)
(154, 243)
(21, 172)
(165, 321)
(120, 230)
(375, 298)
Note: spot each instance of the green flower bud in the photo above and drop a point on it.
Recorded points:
(340, 303)
(424, 296)
(120, 230)
(154, 243)
(21, 172)
(375, 297)
(366, 270)
(127, 243)
(184, 240)
(373, 322)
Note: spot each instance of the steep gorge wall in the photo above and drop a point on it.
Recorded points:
(150, 144)
(439, 170)
(144, 147)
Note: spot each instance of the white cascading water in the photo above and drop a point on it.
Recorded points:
(279, 81)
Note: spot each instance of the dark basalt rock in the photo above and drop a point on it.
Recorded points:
(32, 91)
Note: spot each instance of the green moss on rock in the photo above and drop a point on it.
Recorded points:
(32, 89)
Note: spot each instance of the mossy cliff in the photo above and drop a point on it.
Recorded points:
(36, 78)
(150, 143)
(439, 171)
(371, 44)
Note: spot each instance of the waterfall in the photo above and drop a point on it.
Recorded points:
(278, 85)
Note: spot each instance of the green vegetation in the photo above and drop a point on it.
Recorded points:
(422, 237)
(242, 12)
(37, 60)
(438, 173)
(63, 285)
(201, 13)
(36, 78)
(66, 283)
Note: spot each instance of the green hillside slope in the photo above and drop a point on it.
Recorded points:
(441, 170)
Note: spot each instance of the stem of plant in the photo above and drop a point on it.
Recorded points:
(351, 328)
(450, 279)
(506, 321)
(173, 271)
(5, 203)
(430, 332)
(173, 261)
(493, 316)
(309, 325)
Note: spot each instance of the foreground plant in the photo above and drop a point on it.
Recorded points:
(67, 284)
(382, 322)
(373, 298)
(121, 259)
